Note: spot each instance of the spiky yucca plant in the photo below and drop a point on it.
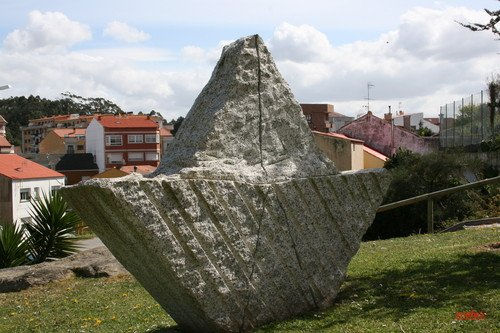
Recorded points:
(52, 230)
(13, 246)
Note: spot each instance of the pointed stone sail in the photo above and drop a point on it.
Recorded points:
(245, 221)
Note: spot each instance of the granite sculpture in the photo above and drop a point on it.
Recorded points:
(245, 221)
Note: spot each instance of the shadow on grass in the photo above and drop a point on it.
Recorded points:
(396, 293)
(428, 284)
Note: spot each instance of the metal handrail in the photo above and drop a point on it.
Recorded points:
(429, 197)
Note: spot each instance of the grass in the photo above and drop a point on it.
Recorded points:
(85, 235)
(413, 284)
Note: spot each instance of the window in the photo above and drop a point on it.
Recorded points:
(135, 138)
(114, 140)
(71, 149)
(37, 192)
(152, 138)
(152, 156)
(115, 158)
(54, 189)
(79, 147)
(25, 220)
(136, 156)
(25, 194)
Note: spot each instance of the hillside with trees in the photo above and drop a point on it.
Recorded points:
(18, 110)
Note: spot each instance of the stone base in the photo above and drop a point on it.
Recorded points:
(230, 256)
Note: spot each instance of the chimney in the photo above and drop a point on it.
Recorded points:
(388, 116)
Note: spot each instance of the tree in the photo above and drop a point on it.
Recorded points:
(91, 105)
(177, 123)
(494, 104)
(423, 131)
(18, 110)
(491, 25)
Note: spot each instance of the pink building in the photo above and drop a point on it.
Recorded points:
(386, 138)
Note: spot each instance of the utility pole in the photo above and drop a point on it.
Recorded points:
(368, 86)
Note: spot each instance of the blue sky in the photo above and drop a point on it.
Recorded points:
(159, 54)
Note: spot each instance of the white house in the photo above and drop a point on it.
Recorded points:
(415, 121)
(21, 180)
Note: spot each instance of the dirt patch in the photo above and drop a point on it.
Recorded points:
(495, 247)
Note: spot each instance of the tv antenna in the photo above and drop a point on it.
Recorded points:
(368, 86)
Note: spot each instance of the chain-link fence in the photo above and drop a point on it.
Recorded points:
(467, 122)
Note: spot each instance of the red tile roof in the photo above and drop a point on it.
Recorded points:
(16, 167)
(339, 136)
(435, 121)
(142, 169)
(4, 142)
(70, 132)
(375, 153)
(127, 121)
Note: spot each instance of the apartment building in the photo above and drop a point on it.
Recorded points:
(121, 140)
(317, 116)
(38, 129)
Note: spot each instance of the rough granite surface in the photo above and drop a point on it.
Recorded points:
(98, 262)
(245, 221)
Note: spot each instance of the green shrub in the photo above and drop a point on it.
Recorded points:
(52, 230)
(50, 235)
(414, 174)
(13, 245)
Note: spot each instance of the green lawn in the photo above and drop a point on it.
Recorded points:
(413, 284)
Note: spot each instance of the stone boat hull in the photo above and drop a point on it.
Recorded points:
(228, 256)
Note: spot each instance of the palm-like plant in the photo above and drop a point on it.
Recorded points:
(13, 245)
(52, 230)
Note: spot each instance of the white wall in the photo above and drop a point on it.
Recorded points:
(415, 119)
(21, 209)
(434, 128)
(94, 136)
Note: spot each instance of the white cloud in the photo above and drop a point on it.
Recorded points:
(200, 55)
(428, 60)
(124, 32)
(193, 53)
(434, 33)
(46, 31)
(300, 43)
(138, 54)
